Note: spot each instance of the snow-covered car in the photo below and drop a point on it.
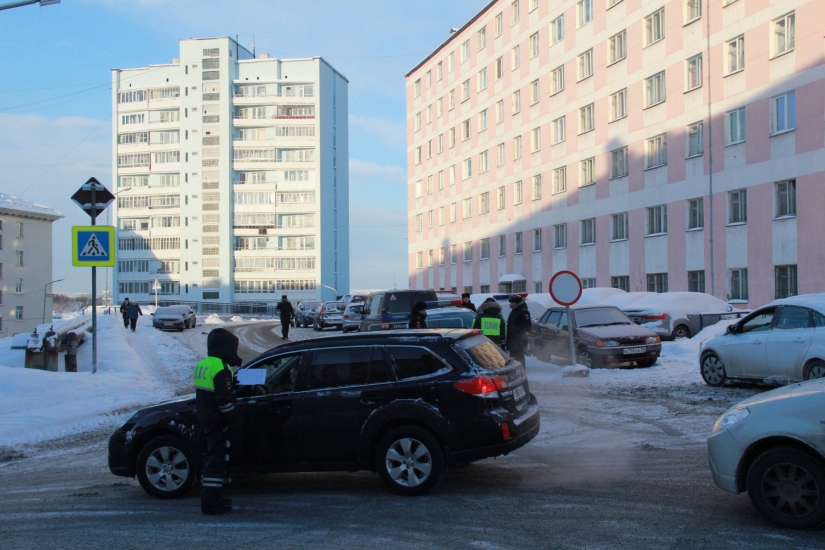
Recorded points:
(602, 335)
(169, 318)
(352, 316)
(674, 315)
(305, 313)
(189, 314)
(450, 317)
(781, 342)
(329, 314)
(347, 298)
(771, 445)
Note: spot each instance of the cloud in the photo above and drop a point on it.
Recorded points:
(363, 173)
(389, 131)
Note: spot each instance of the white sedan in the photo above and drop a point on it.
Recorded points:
(781, 342)
(772, 446)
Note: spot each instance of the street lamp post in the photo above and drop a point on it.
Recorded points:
(329, 287)
(44, 297)
(22, 3)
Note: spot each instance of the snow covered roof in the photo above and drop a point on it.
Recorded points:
(13, 205)
(813, 301)
(511, 278)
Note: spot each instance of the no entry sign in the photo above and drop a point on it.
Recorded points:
(566, 288)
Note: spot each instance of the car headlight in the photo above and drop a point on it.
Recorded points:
(730, 418)
(650, 340)
(607, 344)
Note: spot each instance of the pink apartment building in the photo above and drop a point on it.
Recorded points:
(646, 145)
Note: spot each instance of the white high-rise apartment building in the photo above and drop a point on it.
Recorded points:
(232, 177)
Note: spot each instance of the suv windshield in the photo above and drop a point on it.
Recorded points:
(404, 301)
(600, 316)
(483, 352)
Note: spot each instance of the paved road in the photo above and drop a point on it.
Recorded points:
(610, 469)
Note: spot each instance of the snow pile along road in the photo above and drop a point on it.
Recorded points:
(134, 369)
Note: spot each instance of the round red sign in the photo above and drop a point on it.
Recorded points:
(566, 288)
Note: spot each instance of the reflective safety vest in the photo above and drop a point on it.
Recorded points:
(205, 372)
(491, 326)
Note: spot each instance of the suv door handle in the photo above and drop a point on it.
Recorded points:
(799, 340)
(373, 400)
(280, 406)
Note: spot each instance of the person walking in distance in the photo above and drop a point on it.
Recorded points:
(134, 312)
(418, 316)
(215, 397)
(518, 327)
(466, 303)
(287, 313)
(124, 312)
(490, 321)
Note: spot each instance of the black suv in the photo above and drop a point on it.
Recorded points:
(407, 404)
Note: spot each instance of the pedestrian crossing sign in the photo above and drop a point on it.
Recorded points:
(93, 246)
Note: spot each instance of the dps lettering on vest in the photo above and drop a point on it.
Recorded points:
(490, 327)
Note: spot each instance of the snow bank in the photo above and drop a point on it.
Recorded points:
(213, 320)
(236, 319)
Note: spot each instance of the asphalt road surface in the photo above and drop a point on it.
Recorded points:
(611, 468)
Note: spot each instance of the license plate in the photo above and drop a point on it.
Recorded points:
(519, 393)
(633, 351)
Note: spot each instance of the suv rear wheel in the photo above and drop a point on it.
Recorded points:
(787, 486)
(410, 461)
(165, 468)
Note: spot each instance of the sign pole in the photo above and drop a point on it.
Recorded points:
(93, 215)
(570, 336)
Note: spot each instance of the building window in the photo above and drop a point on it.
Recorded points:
(617, 47)
(560, 236)
(693, 10)
(786, 198)
(485, 249)
(618, 163)
(500, 200)
(419, 260)
(500, 111)
(586, 65)
(695, 140)
(537, 240)
(738, 283)
(417, 87)
(534, 44)
(482, 79)
(468, 251)
(783, 113)
(783, 34)
(452, 174)
(785, 281)
(500, 155)
(451, 138)
(468, 208)
(536, 187)
(655, 89)
(618, 227)
(498, 25)
(439, 70)
(657, 282)
(517, 148)
(589, 282)
(735, 122)
(557, 30)
(481, 38)
(656, 153)
(18, 286)
(560, 180)
(502, 246)
(465, 90)
(586, 118)
(514, 13)
(621, 282)
(517, 193)
(453, 214)
(557, 80)
(418, 189)
(696, 281)
(516, 58)
(451, 100)
(618, 105)
(18, 313)
(441, 253)
(465, 51)
(588, 229)
(738, 206)
(518, 243)
(484, 203)
(535, 140)
(483, 162)
(19, 233)
(693, 76)
(441, 215)
(499, 68)
(453, 254)
(736, 54)
(516, 102)
(430, 258)
(696, 214)
(584, 10)
(430, 219)
(657, 220)
(419, 222)
(655, 27)
(559, 130)
(588, 172)
(467, 169)
(19, 258)
(418, 155)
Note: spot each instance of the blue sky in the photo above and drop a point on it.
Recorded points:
(55, 101)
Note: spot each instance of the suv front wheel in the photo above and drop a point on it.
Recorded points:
(410, 461)
(165, 468)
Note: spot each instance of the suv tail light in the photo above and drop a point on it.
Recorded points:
(662, 316)
(482, 386)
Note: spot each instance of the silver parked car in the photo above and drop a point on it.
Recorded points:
(352, 316)
(329, 314)
(772, 446)
(674, 315)
(781, 342)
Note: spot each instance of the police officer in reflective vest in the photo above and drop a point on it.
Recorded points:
(215, 394)
(490, 321)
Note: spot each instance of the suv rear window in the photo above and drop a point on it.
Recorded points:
(483, 352)
(413, 362)
(404, 301)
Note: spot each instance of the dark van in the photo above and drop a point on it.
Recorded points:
(390, 309)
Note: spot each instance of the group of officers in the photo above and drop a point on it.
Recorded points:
(510, 335)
